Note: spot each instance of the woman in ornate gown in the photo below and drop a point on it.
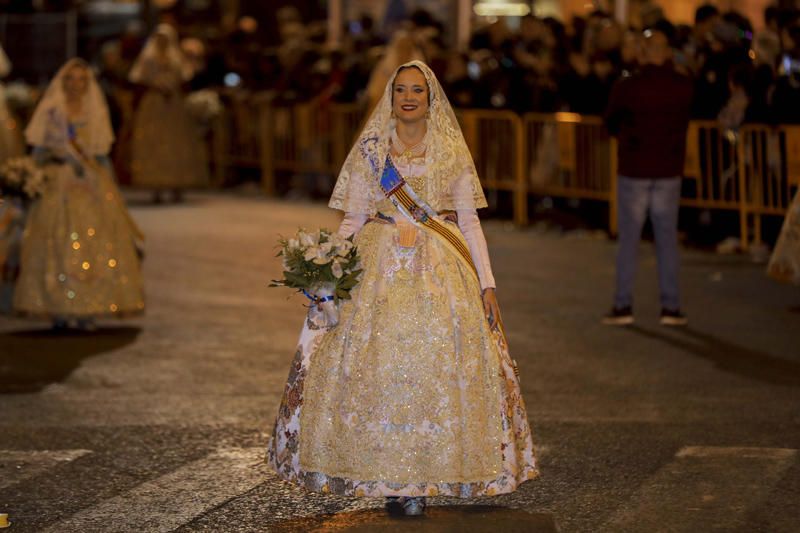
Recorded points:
(413, 393)
(10, 138)
(79, 259)
(11, 215)
(402, 49)
(784, 265)
(167, 150)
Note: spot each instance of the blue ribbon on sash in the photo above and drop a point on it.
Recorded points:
(391, 180)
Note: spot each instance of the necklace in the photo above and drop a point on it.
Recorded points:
(408, 152)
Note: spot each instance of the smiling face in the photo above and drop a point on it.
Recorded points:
(410, 95)
(76, 82)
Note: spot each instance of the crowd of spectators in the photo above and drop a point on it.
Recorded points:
(539, 65)
(543, 65)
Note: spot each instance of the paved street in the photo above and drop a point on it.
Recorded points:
(159, 423)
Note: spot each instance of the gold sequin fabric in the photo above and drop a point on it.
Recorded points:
(784, 265)
(411, 394)
(78, 256)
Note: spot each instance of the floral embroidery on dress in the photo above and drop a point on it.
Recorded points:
(513, 448)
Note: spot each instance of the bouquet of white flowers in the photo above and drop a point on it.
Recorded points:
(204, 105)
(21, 177)
(322, 265)
(20, 97)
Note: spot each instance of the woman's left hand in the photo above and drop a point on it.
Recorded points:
(492, 308)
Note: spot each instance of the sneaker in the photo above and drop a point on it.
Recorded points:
(619, 316)
(673, 317)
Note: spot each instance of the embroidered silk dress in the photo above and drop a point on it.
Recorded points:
(412, 393)
(78, 255)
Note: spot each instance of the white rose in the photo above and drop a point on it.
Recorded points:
(308, 239)
(344, 249)
(319, 255)
(311, 252)
(336, 268)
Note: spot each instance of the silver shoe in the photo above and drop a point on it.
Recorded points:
(414, 506)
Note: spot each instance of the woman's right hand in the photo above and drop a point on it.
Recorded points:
(492, 309)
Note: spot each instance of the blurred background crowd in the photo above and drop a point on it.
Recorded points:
(539, 64)
(745, 68)
(524, 64)
(168, 96)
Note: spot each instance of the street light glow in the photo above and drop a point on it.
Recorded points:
(501, 9)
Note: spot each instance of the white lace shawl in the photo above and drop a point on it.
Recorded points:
(48, 127)
(447, 156)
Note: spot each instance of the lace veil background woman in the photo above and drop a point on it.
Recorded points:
(11, 216)
(167, 150)
(10, 139)
(413, 393)
(78, 258)
(402, 49)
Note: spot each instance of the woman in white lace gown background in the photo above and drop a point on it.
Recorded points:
(11, 215)
(10, 138)
(168, 153)
(79, 258)
(413, 393)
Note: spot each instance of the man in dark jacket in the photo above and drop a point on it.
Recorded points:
(649, 114)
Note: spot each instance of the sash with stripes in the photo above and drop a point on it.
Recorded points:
(419, 212)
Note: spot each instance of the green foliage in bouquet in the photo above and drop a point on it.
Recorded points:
(315, 259)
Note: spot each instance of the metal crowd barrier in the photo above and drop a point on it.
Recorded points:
(310, 137)
(769, 167)
(565, 155)
(499, 163)
(236, 140)
(750, 171)
(570, 156)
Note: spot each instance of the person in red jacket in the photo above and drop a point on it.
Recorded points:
(649, 114)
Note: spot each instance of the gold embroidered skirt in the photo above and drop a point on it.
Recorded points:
(411, 394)
(167, 151)
(78, 256)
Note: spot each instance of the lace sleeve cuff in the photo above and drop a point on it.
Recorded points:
(351, 224)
